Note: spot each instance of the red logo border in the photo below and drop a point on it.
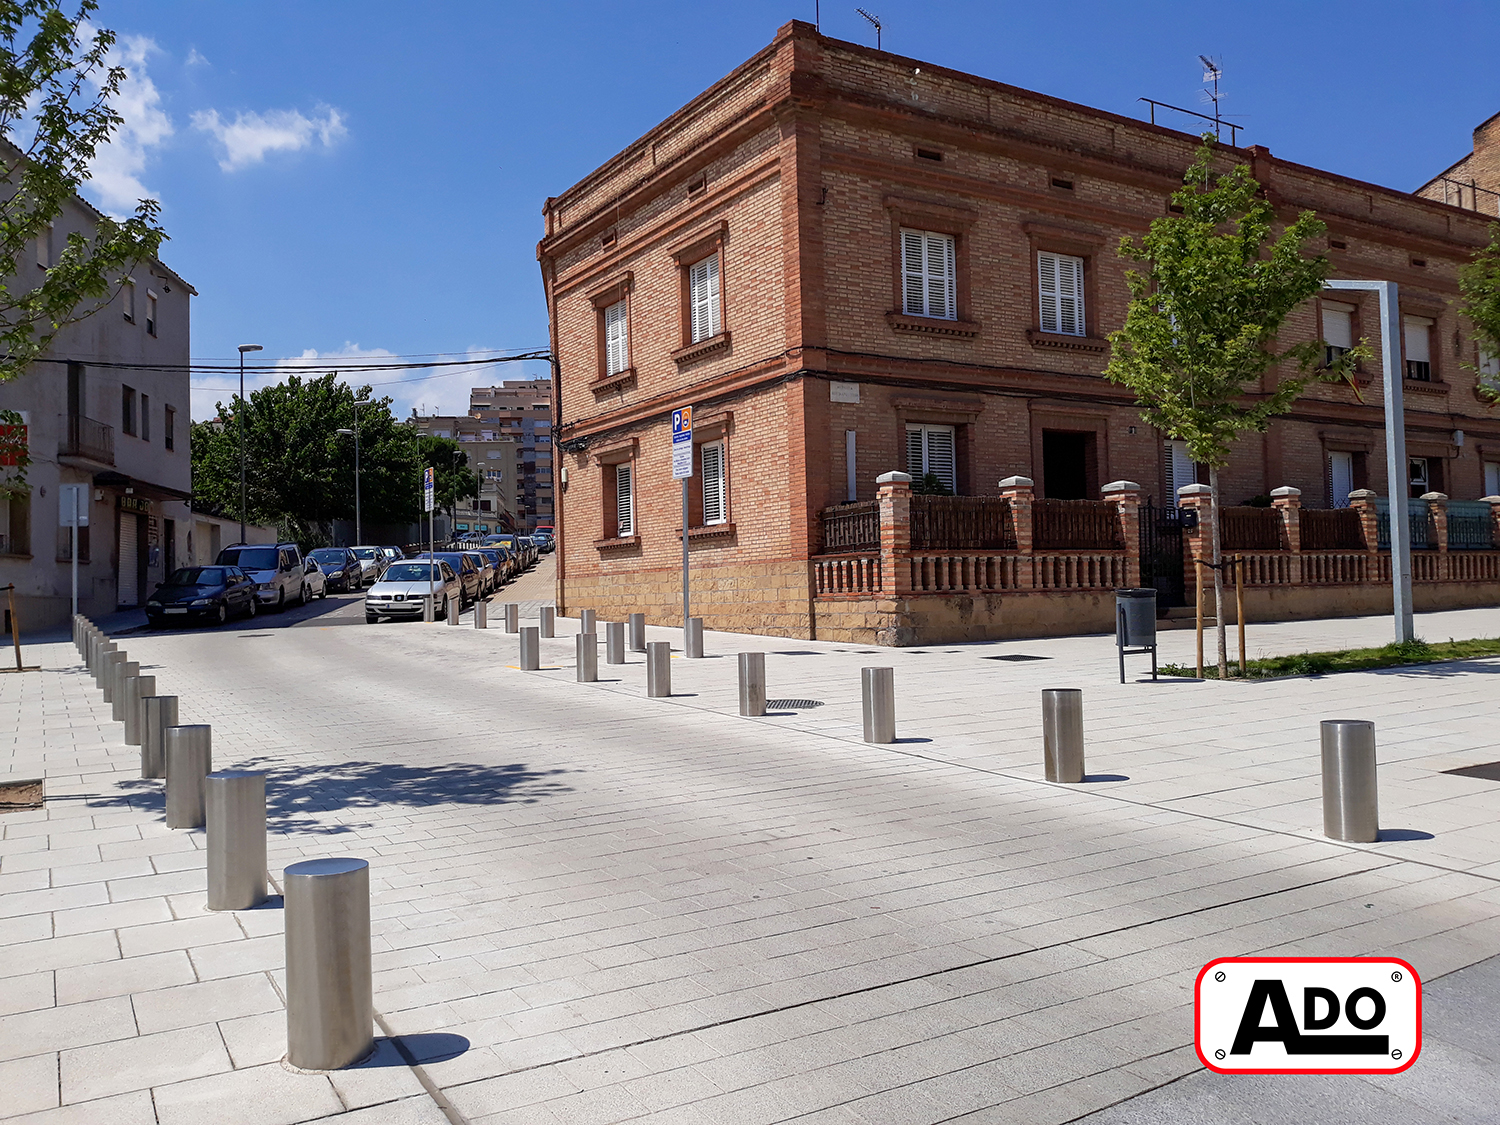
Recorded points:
(1197, 1010)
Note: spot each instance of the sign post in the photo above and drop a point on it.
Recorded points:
(73, 512)
(429, 498)
(682, 469)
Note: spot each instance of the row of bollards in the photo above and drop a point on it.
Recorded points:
(330, 1006)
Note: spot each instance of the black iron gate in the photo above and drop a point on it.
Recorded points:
(1161, 553)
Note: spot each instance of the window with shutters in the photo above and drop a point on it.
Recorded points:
(1418, 331)
(1340, 478)
(1181, 470)
(624, 500)
(616, 339)
(1060, 293)
(703, 298)
(929, 274)
(1492, 478)
(929, 449)
(1338, 330)
(150, 313)
(715, 483)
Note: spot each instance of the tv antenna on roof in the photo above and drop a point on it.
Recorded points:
(1212, 72)
(876, 21)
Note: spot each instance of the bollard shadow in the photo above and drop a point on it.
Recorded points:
(1105, 777)
(271, 902)
(300, 798)
(414, 1050)
(906, 740)
(1398, 835)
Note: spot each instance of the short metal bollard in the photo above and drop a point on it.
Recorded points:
(101, 662)
(189, 753)
(586, 621)
(879, 691)
(658, 670)
(482, 614)
(1350, 804)
(637, 632)
(692, 641)
(330, 1012)
(235, 808)
(512, 617)
(159, 715)
(1062, 734)
(136, 689)
(107, 680)
(428, 609)
(587, 657)
(752, 684)
(531, 649)
(548, 617)
(453, 609)
(128, 670)
(614, 642)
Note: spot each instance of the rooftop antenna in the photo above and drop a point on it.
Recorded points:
(876, 21)
(1212, 72)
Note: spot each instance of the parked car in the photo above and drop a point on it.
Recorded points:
(544, 541)
(405, 585)
(489, 578)
(201, 593)
(528, 546)
(393, 554)
(340, 567)
(463, 566)
(317, 581)
(276, 569)
(519, 545)
(498, 561)
(373, 560)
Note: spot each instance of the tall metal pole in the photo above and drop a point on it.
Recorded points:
(1395, 448)
(359, 535)
(685, 610)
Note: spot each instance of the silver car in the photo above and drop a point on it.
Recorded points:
(276, 568)
(405, 586)
(373, 561)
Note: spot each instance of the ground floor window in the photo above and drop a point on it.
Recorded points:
(715, 478)
(1492, 478)
(623, 477)
(929, 449)
(1181, 470)
(15, 523)
(1340, 478)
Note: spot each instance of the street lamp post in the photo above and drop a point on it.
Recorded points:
(359, 534)
(241, 419)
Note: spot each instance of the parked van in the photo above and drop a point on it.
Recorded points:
(276, 570)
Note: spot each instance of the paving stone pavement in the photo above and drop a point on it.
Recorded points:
(590, 906)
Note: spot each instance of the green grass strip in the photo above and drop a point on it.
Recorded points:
(1394, 655)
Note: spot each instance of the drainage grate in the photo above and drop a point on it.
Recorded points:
(1015, 656)
(792, 704)
(1489, 771)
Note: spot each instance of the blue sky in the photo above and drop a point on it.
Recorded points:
(343, 178)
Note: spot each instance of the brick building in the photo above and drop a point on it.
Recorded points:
(849, 263)
(521, 410)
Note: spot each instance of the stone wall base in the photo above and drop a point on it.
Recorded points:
(768, 598)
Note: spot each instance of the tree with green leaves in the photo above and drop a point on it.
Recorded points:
(453, 478)
(1200, 341)
(56, 108)
(1479, 286)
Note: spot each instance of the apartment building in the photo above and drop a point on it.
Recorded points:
(851, 263)
(522, 409)
(495, 458)
(108, 407)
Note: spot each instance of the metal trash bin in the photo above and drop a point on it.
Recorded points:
(1135, 625)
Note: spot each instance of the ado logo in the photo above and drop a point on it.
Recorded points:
(1308, 1015)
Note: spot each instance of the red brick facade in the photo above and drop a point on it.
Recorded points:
(799, 170)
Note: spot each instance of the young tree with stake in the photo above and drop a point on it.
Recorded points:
(1199, 347)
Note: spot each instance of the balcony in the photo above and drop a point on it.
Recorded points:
(86, 439)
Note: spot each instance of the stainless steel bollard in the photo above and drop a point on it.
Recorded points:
(614, 642)
(482, 614)
(1350, 806)
(112, 660)
(587, 657)
(692, 641)
(658, 669)
(548, 616)
(512, 617)
(879, 696)
(429, 609)
(330, 1012)
(101, 658)
(752, 684)
(637, 632)
(235, 808)
(1062, 734)
(189, 760)
(453, 608)
(586, 621)
(531, 649)
(160, 714)
(136, 689)
(128, 670)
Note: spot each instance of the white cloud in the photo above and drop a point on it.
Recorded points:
(195, 58)
(118, 164)
(250, 136)
(223, 386)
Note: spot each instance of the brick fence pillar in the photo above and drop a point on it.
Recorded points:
(1288, 502)
(1127, 497)
(1362, 500)
(894, 495)
(1437, 506)
(1020, 491)
(1197, 542)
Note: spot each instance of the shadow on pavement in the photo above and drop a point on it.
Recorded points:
(414, 1050)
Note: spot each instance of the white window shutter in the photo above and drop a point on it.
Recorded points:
(1340, 478)
(916, 459)
(940, 455)
(940, 276)
(616, 339)
(1181, 471)
(1070, 295)
(624, 501)
(1491, 478)
(714, 507)
(929, 275)
(1417, 344)
(1046, 275)
(1338, 326)
(913, 273)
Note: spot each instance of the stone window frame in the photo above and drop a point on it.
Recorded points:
(687, 254)
(1045, 237)
(940, 218)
